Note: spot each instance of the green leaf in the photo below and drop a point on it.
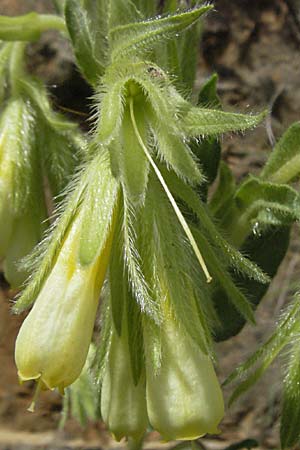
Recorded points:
(123, 12)
(102, 193)
(211, 122)
(37, 93)
(290, 415)
(288, 323)
(137, 282)
(147, 7)
(208, 150)
(61, 154)
(111, 111)
(135, 335)
(123, 302)
(255, 366)
(283, 164)
(188, 54)
(117, 278)
(170, 6)
(170, 266)
(267, 203)
(128, 40)
(86, 22)
(267, 251)
(61, 144)
(172, 149)
(222, 199)
(134, 165)
(232, 257)
(219, 273)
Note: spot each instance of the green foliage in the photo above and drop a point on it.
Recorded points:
(207, 122)
(267, 251)
(260, 360)
(87, 24)
(135, 39)
(208, 151)
(140, 195)
(283, 164)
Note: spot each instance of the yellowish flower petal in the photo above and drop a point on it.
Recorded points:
(184, 399)
(54, 339)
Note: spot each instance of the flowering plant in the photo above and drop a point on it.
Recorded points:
(138, 212)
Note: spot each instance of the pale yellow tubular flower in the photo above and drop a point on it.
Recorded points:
(123, 404)
(184, 399)
(53, 341)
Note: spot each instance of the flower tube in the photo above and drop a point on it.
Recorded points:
(184, 399)
(53, 341)
(123, 404)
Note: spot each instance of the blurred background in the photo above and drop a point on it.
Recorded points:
(254, 46)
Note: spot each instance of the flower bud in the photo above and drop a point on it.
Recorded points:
(8, 161)
(53, 341)
(123, 404)
(22, 207)
(184, 399)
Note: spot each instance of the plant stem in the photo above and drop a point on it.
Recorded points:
(29, 26)
(16, 66)
(51, 21)
(178, 213)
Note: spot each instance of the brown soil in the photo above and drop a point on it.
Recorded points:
(254, 46)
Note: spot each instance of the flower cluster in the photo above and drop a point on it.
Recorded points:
(133, 213)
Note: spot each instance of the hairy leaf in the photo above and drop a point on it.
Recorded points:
(267, 203)
(86, 22)
(173, 150)
(137, 281)
(111, 111)
(208, 150)
(267, 251)
(259, 361)
(128, 40)
(101, 198)
(171, 268)
(134, 165)
(122, 12)
(211, 122)
(232, 256)
(219, 273)
(222, 199)
(284, 162)
(290, 416)
(147, 7)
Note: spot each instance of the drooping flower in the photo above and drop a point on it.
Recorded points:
(184, 398)
(53, 342)
(123, 403)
